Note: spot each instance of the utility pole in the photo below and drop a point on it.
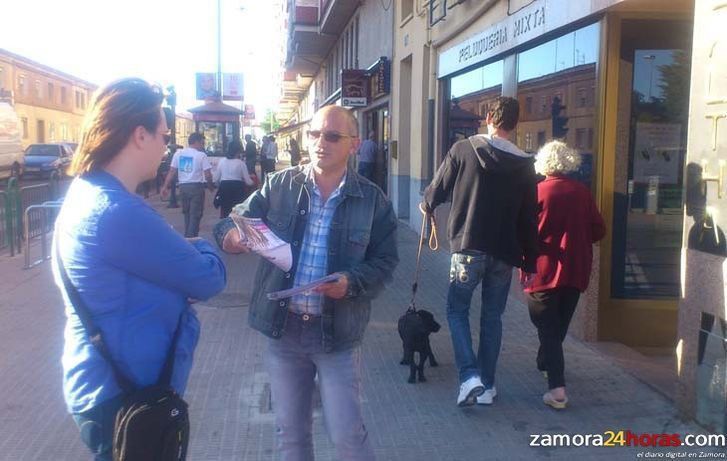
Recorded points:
(219, 49)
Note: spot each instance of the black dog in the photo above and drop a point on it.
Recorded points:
(414, 329)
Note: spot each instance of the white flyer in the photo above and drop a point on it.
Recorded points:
(257, 236)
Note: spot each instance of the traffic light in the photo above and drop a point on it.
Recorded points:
(560, 122)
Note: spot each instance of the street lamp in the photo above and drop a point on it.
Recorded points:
(650, 58)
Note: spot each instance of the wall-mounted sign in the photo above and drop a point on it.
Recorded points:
(354, 91)
(379, 78)
(233, 87)
(249, 113)
(206, 85)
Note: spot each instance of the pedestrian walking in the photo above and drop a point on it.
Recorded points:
(568, 225)
(367, 157)
(492, 227)
(192, 168)
(121, 268)
(336, 222)
(234, 182)
(294, 152)
(268, 155)
(250, 154)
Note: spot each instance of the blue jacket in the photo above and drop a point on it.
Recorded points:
(362, 244)
(134, 273)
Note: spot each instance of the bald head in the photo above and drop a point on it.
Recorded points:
(327, 111)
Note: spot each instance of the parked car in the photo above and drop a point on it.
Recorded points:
(11, 151)
(44, 159)
(71, 145)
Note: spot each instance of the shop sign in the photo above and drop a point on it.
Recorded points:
(537, 18)
(379, 76)
(354, 83)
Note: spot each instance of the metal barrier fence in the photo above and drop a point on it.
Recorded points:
(16, 224)
(39, 221)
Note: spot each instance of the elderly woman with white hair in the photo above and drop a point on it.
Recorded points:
(568, 225)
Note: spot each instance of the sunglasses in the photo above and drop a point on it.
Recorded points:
(329, 136)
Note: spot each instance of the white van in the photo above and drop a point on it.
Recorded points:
(11, 151)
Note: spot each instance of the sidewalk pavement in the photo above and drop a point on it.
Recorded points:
(229, 391)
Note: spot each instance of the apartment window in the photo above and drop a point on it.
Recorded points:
(582, 99)
(38, 93)
(528, 142)
(346, 63)
(22, 88)
(543, 104)
(541, 139)
(355, 41)
(529, 105)
(78, 99)
(2, 78)
(24, 126)
(63, 95)
(580, 138)
(51, 92)
(52, 132)
(407, 8)
(64, 132)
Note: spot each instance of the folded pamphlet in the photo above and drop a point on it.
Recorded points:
(303, 288)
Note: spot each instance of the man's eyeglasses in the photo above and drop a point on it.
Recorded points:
(329, 136)
(167, 138)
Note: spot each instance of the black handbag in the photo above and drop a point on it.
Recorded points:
(153, 422)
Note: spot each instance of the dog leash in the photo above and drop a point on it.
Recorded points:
(433, 245)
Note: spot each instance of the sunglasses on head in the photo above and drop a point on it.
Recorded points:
(329, 136)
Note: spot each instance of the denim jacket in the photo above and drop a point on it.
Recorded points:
(362, 245)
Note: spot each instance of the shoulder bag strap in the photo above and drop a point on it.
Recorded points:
(94, 334)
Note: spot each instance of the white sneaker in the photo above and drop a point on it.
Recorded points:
(469, 390)
(487, 396)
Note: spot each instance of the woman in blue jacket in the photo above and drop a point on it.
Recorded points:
(135, 274)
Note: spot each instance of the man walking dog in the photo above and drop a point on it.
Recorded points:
(492, 227)
(336, 222)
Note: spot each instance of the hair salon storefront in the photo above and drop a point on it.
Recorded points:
(613, 81)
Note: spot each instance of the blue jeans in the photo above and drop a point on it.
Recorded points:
(467, 270)
(97, 427)
(293, 362)
(366, 169)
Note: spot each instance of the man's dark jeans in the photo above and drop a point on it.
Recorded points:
(366, 169)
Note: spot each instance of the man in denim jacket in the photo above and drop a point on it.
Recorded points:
(336, 221)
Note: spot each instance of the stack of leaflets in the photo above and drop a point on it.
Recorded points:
(258, 237)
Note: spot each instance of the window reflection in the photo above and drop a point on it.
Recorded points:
(557, 94)
(470, 97)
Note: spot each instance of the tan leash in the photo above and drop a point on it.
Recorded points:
(433, 245)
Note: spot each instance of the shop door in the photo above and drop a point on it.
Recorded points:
(647, 200)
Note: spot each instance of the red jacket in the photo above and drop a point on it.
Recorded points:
(568, 225)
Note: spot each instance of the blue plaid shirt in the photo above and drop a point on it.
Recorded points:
(313, 259)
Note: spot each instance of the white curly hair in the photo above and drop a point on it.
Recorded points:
(556, 157)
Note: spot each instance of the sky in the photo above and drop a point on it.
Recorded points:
(163, 41)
